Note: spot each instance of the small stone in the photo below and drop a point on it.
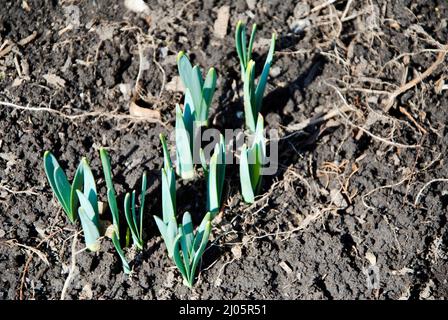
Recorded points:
(251, 4)
(298, 26)
(371, 258)
(86, 292)
(2, 233)
(301, 10)
(236, 250)
(164, 52)
(137, 6)
(275, 72)
(222, 22)
(338, 199)
(169, 280)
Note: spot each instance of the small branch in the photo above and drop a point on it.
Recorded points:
(99, 114)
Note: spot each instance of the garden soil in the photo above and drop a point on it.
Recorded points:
(357, 208)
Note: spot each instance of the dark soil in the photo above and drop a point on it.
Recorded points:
(341, 219)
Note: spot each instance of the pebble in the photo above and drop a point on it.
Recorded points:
(2, 233)
(251, 4)
(338, 199)
(301, 9)
(298, 26)
(275, 72)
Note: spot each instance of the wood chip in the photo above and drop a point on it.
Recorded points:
(222, 22)
(285, 266)
(137, 111)
(28, 39)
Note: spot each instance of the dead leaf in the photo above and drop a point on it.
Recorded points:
(175, 85)
(137, 111)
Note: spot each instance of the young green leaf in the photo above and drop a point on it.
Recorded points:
(117, 245)
(215, 174)
(142, 204)
(184, 154)
(168, 185)
(201, 91)
(253, 95)
(250, 111)
(111, 197)
(89, 185)
(64, 192)
(251, 164)
(131, 215)
(89, 221)
(259, 92)
(112, 200)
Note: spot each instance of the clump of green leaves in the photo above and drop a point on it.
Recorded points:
(201, 90)
(183, 246)
(253, 94)
(112, 200)
(214, 175)
(73, 200)
(189, 246)
(64, 192)
(244, 52)
(251, 164)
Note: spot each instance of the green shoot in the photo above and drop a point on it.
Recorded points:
(132, 217)
(112, 200)
(89, 221)
(251, 164)
(184, 139)
(189, 247)
(64, 192)
(117, 245)
(215, 174)
(72, 199)
(253, 94)
(201, 90)
(167, 226)
(244, 54)
(111, 197)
